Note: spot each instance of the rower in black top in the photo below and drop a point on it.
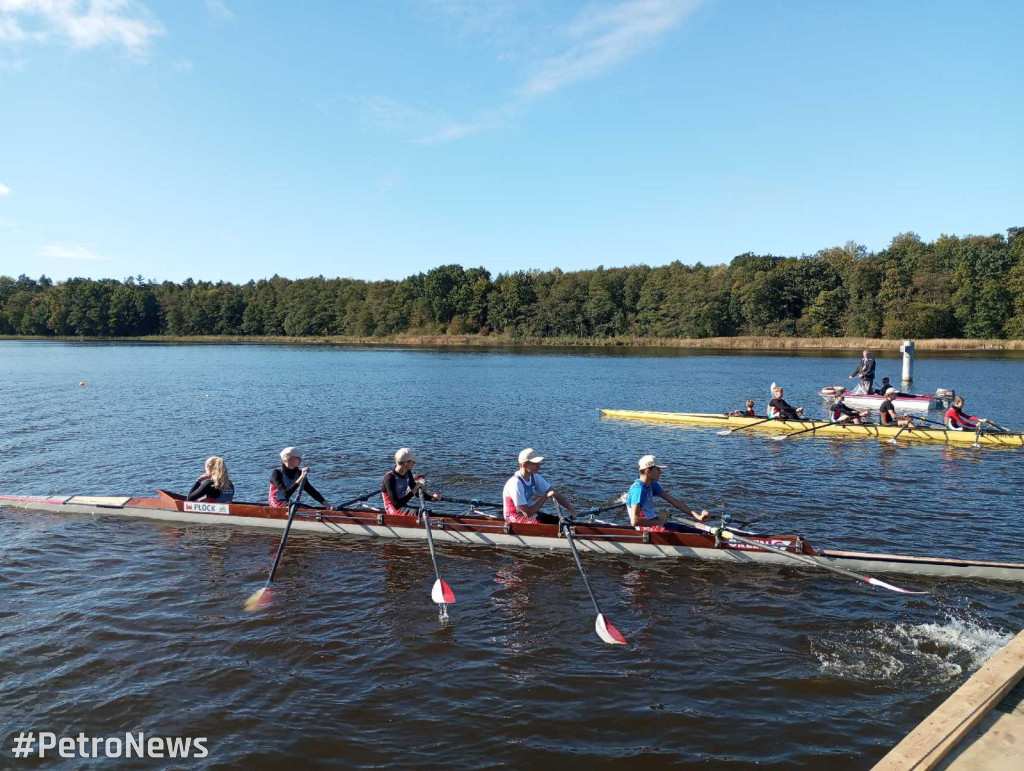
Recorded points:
(286, 478)
(887, 412)
(398, 486)
(840, 412)
(780, 409)
(214, 485)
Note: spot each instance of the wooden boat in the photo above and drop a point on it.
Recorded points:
(479, 529)
(986, 438)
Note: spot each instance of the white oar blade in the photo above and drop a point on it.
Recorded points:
(779, 438)
(890, 587)
(259, 599)
(724, 433)
(607, 632)
(442, 594)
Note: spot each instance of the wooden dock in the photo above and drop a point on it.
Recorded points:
(979, 728)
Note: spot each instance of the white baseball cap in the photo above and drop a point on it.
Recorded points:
(405, 454)
(290, 452)
(649, 461)
(529, 455)
(890, 391)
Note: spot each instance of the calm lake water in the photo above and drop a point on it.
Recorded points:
(109, 626)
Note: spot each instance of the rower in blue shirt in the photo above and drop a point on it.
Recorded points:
(640, 500)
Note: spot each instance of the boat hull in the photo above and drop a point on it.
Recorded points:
(475, 529)
(824, 428)
(919, 403)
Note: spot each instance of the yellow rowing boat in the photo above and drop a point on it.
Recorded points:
(986, 437)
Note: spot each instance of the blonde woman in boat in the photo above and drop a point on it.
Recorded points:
(214, 485)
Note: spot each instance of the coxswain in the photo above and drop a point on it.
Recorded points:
(866, 372)
(780, 409)
(840, 412)
(214, 485)
(641, 495)
(747, 412)
(887, 412)
(526, 485)
(286, 478)
(958, 420)
(398, 486)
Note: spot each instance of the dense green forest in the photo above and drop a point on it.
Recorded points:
(954, 287)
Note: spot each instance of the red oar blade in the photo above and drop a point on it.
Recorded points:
(607, 632)
(442, 594)
(259, 599)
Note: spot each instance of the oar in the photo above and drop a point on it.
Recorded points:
(730, 536)
(605, 630)
(740, 428)
(474, 503)
(783, 437)
(360, 499)
(902, 429)
(441, 593)
(261, 596)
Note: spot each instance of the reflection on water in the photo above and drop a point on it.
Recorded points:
(109, 625)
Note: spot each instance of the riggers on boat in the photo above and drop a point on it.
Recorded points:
(985, 437)
(479, 529)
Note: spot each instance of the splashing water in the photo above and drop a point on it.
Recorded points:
(909, 654)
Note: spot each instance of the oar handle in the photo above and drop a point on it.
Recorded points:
(360, 499)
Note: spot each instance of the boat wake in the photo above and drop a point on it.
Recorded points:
(910, 654)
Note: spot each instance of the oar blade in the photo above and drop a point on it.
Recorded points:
(890, 587)
(607, 632)
(780, 438)
(442, 594)
(726, 432)
(259, 599)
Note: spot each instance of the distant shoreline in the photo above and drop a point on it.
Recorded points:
(505, 341)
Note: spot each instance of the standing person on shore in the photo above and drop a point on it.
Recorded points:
(214, 485)
(641, 495)
(398, 486)
(866, 372)
(286, 478)
(527, 484)
(780, 409)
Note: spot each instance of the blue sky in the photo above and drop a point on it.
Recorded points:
(235, 139)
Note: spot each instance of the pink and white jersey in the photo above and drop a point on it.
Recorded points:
(518, 492)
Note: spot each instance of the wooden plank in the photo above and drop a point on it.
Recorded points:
(925, 746)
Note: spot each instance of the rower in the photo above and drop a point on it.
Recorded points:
(286, 478)
(640, 500)
(526, 484)
(214, 485)
(780, 409)
(840, 412)
(887, 412)
(398, 487)
(958, 420)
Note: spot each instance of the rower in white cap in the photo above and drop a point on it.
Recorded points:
(527, 484)
(398, 486)
(640, 499)
(286, 478)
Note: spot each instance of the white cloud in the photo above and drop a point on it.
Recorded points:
(7, 224)
(71, 252)
(4, 190)
(219, 10)
(599, 38)
(82, 23)
(604, 37)
(13, 65)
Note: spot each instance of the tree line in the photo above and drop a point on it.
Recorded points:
(953, 287)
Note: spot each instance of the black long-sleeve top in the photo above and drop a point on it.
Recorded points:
(284, 482)
(398, 487)
(785, 411)
(205, 488)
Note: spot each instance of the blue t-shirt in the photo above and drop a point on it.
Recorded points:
(642, 494)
